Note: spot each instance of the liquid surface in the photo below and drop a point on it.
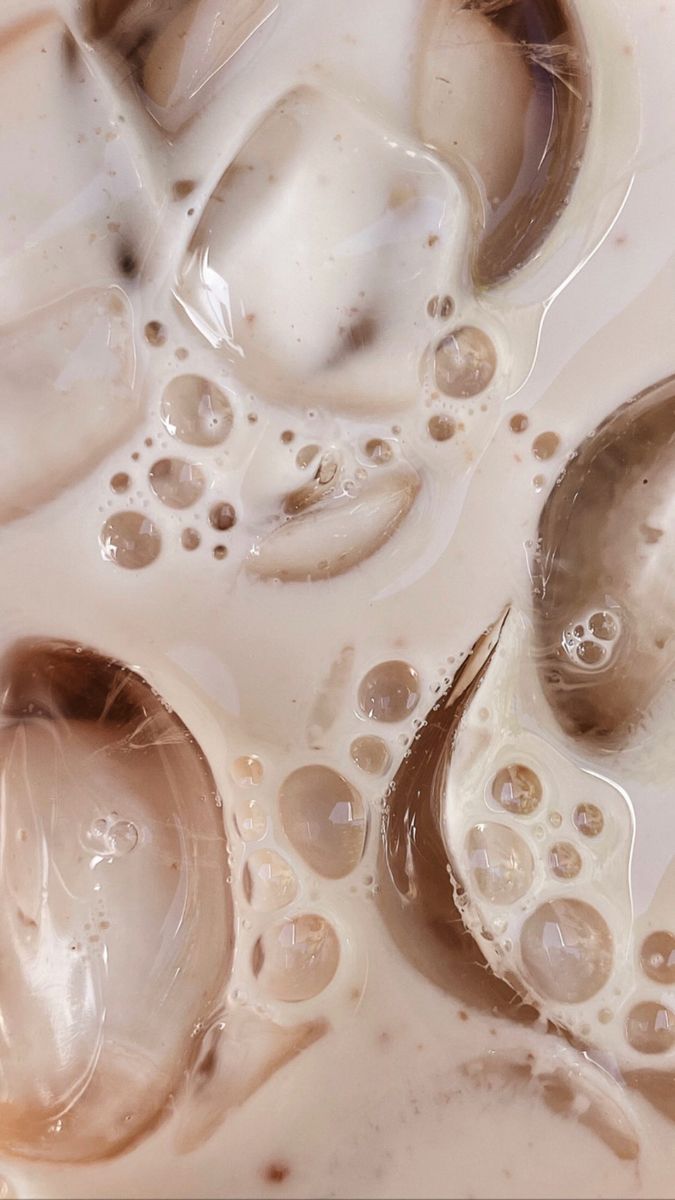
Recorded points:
(337, 615)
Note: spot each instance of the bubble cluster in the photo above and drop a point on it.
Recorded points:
(389, 692)
(517, 789)
(296, 959)
(130, 540)
(324, 819)
(195, 411)
(464, 362)
(111, 837)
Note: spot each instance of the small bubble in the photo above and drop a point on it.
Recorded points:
(220, 552)
(432, 306)
(190, 539)
(590, 653)
(446, 308)
(130, 540)
(545, 445)
(588, 819)
(564, 860)
(250, 818)
(464, 362)
(306, 455)
(605, 1016)
(379, 451)
(371, 754)
(518, 423)
(120, 482)
(650, 1028)
(182, 353)
(441, 427)
(247, 770)
(517, 789)
(555, 819)
(603, 626)
(222, 516)
(287, 436)
(196, 411)
(389, 692)
(155, 333)
(176, 482)
(657, 957)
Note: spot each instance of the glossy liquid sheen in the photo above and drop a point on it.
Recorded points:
(337, 846)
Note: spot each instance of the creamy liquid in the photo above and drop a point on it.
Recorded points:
(285, 386)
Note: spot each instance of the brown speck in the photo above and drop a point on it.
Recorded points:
(135, 456)
(182, 353)
(155, 333)
(463, 1016)
(148, 441)
(287, 436)
(276, 1172)
(25, 919)
(620, 239)
(250, 318)
(127, 262)
(182, 188)
(432, 239)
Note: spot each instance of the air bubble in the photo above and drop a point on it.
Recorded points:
(306, 455)
(464, 362)
(297, 959)
(518, 423)
(567, 950)
(590, 653)
(650, 1028)
(190, 539)
(603, 625)
(220, 552)
(196, 411)
(269, 881)
(500, 861)
(564, 860)
(250, 819)
(657, 956)
(588, 819)
(517, 789)
(176, 482)
(441, 427)
(130, 540)
(155, 333)
(379, 451)
(545, 445)
(222, 516)
(247, 770)
(389, 692)
(109, 837)
(371, 754)
(323, 818)
(120, 482)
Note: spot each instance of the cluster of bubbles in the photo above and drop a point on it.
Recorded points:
(566, 945)
(590, 641)
(196, 412)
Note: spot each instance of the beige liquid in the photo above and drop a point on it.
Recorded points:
(310, 888)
